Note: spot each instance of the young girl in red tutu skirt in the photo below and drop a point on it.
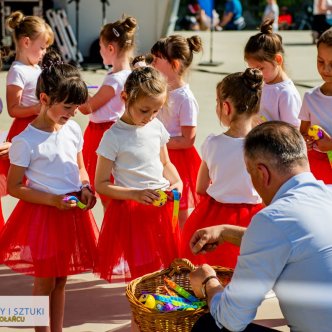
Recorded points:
(223, 178)
(32, 35)
(106, 106)
(134, 151)
(47, 235)
(316, 110)
(173, 56)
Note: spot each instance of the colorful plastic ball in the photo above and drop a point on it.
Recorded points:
(162, 198)
(148, 300)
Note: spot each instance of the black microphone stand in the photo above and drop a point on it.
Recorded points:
(104, 3)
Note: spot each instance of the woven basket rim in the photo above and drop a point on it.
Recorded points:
(131, 288)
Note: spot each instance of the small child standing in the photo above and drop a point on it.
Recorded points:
(47, 235)
(280, 99)
(223, 178)
(134, 151)
(32, 36)
(106, 106)
(316, 110)
(172, 57)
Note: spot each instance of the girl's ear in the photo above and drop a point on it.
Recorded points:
(279, 59)
(26, 41)
(226, 106)
(124, 96)
(111, 48)
(44, 98)
(176, 64)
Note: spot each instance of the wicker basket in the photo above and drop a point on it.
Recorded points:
(150, 320)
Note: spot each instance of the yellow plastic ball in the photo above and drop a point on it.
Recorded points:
(148, 300)
(162, 198)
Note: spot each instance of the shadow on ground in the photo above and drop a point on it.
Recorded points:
(87, 301)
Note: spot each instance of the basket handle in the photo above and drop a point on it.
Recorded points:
(178, 262)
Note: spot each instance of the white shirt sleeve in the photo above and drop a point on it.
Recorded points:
(188, 112)
(108, 147)
(112, 81)
(305, 112)
(289, 106)
(20, 152)
(264, 253)
(15, 77)
(164, 136)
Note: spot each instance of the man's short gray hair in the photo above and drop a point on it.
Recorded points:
(277, 142)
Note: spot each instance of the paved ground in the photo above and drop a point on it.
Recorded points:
(93, 304)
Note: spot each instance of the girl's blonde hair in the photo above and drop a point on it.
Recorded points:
(29, 26)
(144, 82)
(265, 45)
(177, 47)
(121, 32)
(244, 89)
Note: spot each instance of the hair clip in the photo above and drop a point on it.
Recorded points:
(116, 32)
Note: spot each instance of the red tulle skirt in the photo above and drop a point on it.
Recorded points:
(18, 125)
(140, 235)
(2, 221)
(4, 167)
(320, 166)
(43, 241)
(92, 137)
(209, 212)
(187, 163)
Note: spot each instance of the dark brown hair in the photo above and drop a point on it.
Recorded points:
(177, 47)
(265, 45)
(243, 89)
(121, 32)
(60, 81)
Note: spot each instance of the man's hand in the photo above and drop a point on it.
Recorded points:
(198, 276)
(206, 239)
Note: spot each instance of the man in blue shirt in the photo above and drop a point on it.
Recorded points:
(287, 246)
(232, 18)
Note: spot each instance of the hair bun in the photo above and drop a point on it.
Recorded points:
(253, 79)
(195, 43)
(267, 26)
(51, 58)
(129, 23)
(15, 19)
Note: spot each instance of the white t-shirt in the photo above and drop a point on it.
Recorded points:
(181, 110)
(26, 78)
(135, 151)
(317, 108)
(115, 107)
(50, 158)
(230, 181)
(281, 101)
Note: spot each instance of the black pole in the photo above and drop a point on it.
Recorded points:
(77, 9)
(104, 3)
